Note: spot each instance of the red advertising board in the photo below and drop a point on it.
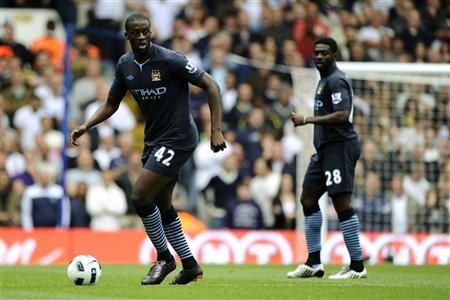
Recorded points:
(55, 246)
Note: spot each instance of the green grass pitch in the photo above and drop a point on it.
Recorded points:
(228, 282)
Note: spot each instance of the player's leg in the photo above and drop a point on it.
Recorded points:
(339, 166)
(146, 188)
(349, 225)
(313, 189)
(174, 233)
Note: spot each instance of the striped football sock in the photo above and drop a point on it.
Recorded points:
(349, 225)
(313, 225)
(175, 236)
(155, 232)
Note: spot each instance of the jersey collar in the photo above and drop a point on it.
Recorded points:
(330, 70)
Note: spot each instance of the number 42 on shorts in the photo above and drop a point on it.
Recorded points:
(161, 153)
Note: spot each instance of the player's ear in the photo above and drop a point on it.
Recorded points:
(125, 34)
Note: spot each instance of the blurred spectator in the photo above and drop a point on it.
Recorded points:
(224, 187)
(250, 135)
(404, 210)
(79, 216)
(18, 94)
(49, 43)
(81, 53)
(126, 147)
(106, 203)
(236, 117)
(51, 94)
(127, 176)
(85, 171)
(107, 150)
(307, 29)
(284, 204)
(229, 93)
(373, 211)
(162, 22)
(44, 203)
(27, 121)
(6, 219)
(414, 32)
(207, 163)
(416, 185)
(372, 35)
(434, 216)
(121, 121)
(14, 163)
(244, 212)
(9, 46)
(264, 187)
(280, 111)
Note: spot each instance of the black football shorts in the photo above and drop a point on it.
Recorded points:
(164, 160)
(332, 168)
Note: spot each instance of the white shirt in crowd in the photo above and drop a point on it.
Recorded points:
(29, 122)
(399, 215)
(416, 190)
(106, 205)
(208, 163)
(122, 120)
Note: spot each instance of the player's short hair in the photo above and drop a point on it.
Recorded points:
(327, 41)
(135, 17)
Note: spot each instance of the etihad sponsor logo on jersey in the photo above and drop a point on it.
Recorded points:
(146, 94)
(336, 98)
(156, 75)
(317, 103)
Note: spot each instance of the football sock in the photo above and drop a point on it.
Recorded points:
(313, 224)
(349, 225)
(174, 233)
(152, 223)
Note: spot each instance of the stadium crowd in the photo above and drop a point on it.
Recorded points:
(402, 179)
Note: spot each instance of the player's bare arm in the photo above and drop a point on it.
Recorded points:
(327, 120)
(212, 88)
(106, 110)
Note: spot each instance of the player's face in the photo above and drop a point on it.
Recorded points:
(139, 35)
(323, 57)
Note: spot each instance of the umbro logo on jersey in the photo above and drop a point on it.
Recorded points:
(156, 75)
(130, 77)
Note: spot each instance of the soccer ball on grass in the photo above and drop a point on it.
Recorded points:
(84, 270)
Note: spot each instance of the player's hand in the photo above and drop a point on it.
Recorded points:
(76, 133)
(298, 119)
(217, 141)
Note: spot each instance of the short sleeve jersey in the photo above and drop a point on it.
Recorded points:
(160, 86)
(333, 93)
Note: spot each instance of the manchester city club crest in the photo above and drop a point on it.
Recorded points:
(156, 75)
(319, 88)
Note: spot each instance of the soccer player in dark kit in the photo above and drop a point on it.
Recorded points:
(332, 168)
(158, 79)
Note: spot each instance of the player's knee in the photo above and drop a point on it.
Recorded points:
(139, 199)
(310, 206)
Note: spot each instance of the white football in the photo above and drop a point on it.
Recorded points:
(84, 269)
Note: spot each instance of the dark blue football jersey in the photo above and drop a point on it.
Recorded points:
(160, 86)
(333, 93)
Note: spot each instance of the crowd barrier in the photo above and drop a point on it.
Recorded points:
(58, 246)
